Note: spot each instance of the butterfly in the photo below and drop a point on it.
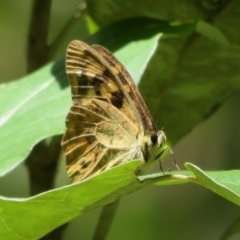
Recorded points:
(108, 123)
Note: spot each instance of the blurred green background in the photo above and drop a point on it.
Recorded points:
(173, 212)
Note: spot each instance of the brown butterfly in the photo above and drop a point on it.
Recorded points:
(108, 123)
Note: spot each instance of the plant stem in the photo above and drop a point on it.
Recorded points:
(105, 221)
(37, 50)
(43, 159)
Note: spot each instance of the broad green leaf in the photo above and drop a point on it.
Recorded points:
(49, 210)
(133, 61)
(32, 108)
(224, 183)
(37, 105)
(187, 78)
(54, 208)
(32, 218)
(162, 9)
(139, 29)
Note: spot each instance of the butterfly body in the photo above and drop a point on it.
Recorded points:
(108, 123)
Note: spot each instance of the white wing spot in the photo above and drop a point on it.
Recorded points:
(79, 73)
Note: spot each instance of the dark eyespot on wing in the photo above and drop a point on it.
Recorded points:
(117, 99)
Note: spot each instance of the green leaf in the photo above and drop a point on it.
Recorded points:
(32, 108)
(224, 183)
(54, 208)
(140, 28)
(66, 203)
(45, 212)
(120, 9)
(185, 73)
(131, 59)
(35, 107)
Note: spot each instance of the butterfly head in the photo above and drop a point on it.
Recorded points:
(156, 145)
(158, 138)
(153, 145)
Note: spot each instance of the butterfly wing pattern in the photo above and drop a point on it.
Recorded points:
(108, 123)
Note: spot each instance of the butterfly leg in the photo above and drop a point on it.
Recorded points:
(174, 160)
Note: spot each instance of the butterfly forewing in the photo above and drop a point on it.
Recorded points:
(104, 128)
(129, 88)
(91, 77)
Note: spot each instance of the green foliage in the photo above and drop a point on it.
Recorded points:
(186, 71)
(35, 110)
(49, 210)
(63, 204)
(43, 100)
